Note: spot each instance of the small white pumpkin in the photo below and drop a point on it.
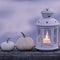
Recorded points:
(7, 45)
(25, 43)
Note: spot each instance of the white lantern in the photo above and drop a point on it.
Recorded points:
(47, 31)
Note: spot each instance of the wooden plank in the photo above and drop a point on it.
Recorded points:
(30, 55)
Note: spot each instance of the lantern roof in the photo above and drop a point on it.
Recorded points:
(46, 19)
(47, 22)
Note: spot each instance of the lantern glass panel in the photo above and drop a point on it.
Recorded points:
(55, 35)
(46, 37)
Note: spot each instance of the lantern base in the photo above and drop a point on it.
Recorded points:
(47, 48)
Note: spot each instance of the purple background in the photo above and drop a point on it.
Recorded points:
(21, 15)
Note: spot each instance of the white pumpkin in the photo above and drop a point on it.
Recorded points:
(25, 43)
(7, 45)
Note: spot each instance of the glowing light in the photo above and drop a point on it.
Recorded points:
(46, 40)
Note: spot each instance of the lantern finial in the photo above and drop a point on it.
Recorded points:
(47, 13)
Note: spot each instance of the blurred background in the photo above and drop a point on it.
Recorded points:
(21, 15)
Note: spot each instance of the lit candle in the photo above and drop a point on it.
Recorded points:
(46, 40)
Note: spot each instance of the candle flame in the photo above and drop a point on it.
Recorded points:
(46, 40)
(47, 35)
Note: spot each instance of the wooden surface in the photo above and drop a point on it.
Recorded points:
(30, 55)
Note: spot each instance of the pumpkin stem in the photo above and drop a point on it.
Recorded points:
(23, 34)
(8, 40)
